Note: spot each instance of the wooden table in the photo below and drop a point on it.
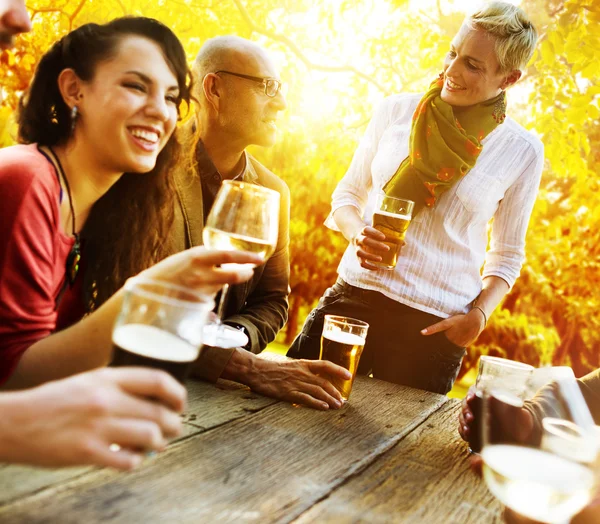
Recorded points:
(392, 454)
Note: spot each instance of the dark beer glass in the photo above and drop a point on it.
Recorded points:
(508, 378)
(160, 326)
(342, 343)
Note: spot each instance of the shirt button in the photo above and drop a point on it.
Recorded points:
(216, 177)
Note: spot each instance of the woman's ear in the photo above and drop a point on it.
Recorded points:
(70, 87)
(511, 79)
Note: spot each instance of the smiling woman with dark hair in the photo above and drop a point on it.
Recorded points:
(463, 162)
(88, 196)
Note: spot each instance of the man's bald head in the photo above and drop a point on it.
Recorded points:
(229, 53)
(231, 74)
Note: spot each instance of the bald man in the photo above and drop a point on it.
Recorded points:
(239, 99)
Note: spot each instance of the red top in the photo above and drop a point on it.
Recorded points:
(33, 253)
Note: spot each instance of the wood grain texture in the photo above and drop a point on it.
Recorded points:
(209, 406)
(265, 467)
(425, 478)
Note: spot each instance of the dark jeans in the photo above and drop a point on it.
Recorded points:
(395, 350)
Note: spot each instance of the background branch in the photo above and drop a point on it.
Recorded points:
(298, 52)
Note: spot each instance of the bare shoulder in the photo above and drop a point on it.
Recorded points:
(23, 170)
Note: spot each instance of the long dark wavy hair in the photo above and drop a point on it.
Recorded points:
(127, 228)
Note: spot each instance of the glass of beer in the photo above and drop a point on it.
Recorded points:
(509, 380)
(392, 217)
(549, 472)
(342, 343)
(160, 326)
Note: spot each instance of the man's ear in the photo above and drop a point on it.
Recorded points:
(70, 87)
(511, 79)
(212, 87)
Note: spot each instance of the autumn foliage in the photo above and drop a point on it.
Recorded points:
(340, 58)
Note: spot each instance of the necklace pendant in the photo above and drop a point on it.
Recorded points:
(73, 262)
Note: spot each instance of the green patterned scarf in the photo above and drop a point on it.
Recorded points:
(445, 142)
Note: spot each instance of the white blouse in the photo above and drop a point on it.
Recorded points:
(439, 268)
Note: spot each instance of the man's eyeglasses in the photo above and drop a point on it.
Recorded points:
(272, 86)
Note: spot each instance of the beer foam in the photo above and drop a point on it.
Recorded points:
(393, 215)
(344, 338)
(152, 342)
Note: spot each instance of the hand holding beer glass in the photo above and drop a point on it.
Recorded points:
(392, 217)
(160, 326)
(342, 343)
(550, 477)
(508, 380)
(244, 217)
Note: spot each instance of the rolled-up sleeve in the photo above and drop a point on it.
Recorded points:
(506, 255)
(354, 188)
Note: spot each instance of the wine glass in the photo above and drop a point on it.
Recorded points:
(244, 217)
(546, 471)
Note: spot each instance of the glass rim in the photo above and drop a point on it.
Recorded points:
(569, 430)
(561, 427)
(205, 302)
(348, 321)
(383, 195)
(505, 362)
(254, 187)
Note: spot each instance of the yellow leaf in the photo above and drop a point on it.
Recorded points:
(592, 70)
(547, 50)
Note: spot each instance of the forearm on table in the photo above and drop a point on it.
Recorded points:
(494, 290)
(348, 219)
(85, 345)
(242, 367)
(10, 404)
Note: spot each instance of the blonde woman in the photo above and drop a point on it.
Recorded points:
(456, 154)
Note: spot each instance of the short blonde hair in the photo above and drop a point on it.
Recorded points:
(516, 38)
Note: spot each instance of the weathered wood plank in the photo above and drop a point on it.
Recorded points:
(425, 478)
(209, 406)
(266, 467)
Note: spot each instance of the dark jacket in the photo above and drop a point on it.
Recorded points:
(259, 305)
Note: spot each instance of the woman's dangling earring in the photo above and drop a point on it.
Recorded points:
(74, 115)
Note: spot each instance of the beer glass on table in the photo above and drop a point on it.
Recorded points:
(392, 217)
(244, 217)
(552, 474)
(342, 343)
(509, 380)
(160, 326)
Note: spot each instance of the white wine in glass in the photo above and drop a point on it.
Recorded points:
(218, 239)
(244, 217)
(552, 474)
